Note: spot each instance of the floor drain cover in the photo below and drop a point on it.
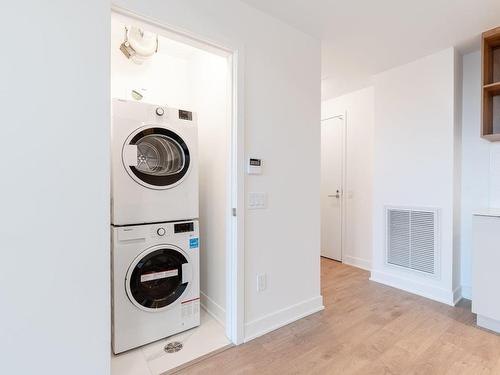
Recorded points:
(173, 347)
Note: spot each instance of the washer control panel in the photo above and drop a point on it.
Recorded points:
(158, 231)
(161, 230)
(184, 227)
(168, 229)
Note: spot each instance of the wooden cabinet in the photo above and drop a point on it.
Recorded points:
(490, 128)
(486, 269)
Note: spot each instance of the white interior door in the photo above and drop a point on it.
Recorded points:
(332, 152)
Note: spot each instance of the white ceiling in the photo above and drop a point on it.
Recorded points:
(364, 37)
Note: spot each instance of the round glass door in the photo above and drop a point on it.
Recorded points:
(162, 158)
(155, 281)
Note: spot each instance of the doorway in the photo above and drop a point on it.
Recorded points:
(333, 135)
(191, 61)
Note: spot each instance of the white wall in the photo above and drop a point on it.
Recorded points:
(359, 106)
(282, 112)
(55, 201)
(494, 185)
(414, 161)
(477, 158)
(480, 166)
(457, 175)
(209, 86)
(182, 76)
(54, 283)
(475, 162)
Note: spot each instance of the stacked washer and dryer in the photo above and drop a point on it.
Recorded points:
(154, 217)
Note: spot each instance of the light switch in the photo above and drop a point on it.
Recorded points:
(257, 200)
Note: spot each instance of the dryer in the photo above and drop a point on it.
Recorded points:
(155, 282)
(154, 169)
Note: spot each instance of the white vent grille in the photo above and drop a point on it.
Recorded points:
(411, 239)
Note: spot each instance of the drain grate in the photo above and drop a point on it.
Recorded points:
(173, 347)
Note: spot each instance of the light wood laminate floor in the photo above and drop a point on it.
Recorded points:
(366, 328)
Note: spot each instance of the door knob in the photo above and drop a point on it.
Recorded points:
(337, 195)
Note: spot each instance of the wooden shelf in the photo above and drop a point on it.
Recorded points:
(490, 122)
(492, 137)
(492, 86)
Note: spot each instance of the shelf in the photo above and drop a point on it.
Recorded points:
(492, 87)
(490, 123)
(491, 56)
(491, 137)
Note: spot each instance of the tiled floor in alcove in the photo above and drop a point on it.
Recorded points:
(153, 360)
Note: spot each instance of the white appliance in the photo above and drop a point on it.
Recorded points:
(155, 286)
(154, 171)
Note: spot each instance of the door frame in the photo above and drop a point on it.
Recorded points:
(343, 198)
(235, 252)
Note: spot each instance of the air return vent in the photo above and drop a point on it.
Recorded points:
(412, 239)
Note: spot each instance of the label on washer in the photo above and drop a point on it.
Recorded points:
(193, 243)
(159, 275)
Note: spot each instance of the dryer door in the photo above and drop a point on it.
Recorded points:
(158, 278)
(156, 157)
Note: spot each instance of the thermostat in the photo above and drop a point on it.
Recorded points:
(254, 166)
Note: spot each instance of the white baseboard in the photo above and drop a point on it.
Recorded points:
(215, 310)
(282, 317)
(357, 262)
(457, 295)
(415, 287)
(467, 291)
(488, 323)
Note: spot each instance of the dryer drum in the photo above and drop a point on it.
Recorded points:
(163, 158)
(159, 155)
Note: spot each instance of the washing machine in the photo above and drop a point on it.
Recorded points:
(155, 282)
(154, 169)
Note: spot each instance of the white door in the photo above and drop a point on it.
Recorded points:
(332, 151)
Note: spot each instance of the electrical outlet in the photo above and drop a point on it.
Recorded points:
(261, 282)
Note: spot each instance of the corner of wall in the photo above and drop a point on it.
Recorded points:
(457, 168)
(364, 264)
(282, 317)
(213, 309)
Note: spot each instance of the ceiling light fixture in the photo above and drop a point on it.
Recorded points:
(139, 45)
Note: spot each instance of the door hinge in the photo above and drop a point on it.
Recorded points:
(233, 211)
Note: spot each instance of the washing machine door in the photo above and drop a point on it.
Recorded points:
(158, 278)
(156, 157)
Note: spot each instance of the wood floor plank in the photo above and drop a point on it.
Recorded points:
(366, 328)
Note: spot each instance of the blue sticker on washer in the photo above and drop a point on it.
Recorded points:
(193, 243)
